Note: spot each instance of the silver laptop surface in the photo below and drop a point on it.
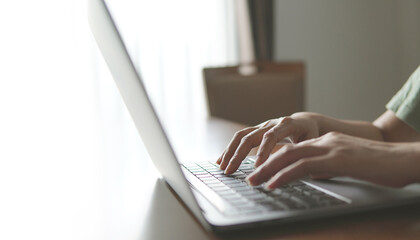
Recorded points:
(223, 203)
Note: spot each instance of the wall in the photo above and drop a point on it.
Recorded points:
(358, 53)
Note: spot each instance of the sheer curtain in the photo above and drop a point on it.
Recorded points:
(171, 41)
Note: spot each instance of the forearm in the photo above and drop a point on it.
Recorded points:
(354, 128)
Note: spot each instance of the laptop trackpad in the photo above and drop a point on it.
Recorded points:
(361, 191)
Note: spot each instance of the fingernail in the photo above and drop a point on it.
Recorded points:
(249, 180)
(256, 160)
(268, 187)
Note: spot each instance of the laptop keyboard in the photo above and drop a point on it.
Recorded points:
(254, 199)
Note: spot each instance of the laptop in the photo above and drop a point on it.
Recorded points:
(223, 203)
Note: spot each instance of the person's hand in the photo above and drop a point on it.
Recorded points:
(298, 127)
(336, 154)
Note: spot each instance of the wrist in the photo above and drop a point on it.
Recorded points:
(315, 119)
(410, 153)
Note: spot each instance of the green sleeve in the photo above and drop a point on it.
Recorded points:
(406, 103)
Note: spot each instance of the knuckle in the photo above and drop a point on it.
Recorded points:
(341, 152)
(288, 148)
(240, 133)
(298, 114)
(246, 140)
(236, 135)
(269, 134)
(332, 137)
(265, 124)
(332, 134)
(286, 120)
(271, 121)
(245, 130)
(286, 124)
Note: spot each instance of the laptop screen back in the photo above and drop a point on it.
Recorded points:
(136, 99)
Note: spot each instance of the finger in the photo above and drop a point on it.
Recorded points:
(270, 140)
(268, 143)
(250, 141)
(283, 158)
(297, 170)
(219, 160)
(233, 145)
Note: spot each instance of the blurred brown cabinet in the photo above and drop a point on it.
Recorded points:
(275, 90)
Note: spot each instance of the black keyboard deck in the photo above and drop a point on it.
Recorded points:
(253, 199)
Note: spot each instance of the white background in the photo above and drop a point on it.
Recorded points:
(53, 164)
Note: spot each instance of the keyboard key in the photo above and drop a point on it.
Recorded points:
(276, 192)
(247, 205)
(296, 183)
(241, 188)
(196, 171)
(206, 164)
(242, 177)
(218, 175)
(220, 188)
(281, 196)
(237, 184)
(238, 201)
(237, 173)
(193, 168)
(227, 193)
(249, 192)
(225, 178)
(232, 197)
(292, 204)
(229, 181)
(210, 180)
(215, 185)
(201, 176)
(215, 171)
(256, 197)
(201, 173)
(190, 164)
(246, 167)
(212, 169)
